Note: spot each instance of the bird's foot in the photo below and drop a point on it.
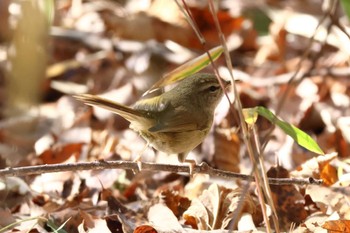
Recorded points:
(138, 159)
(138, 163)
(191, 165)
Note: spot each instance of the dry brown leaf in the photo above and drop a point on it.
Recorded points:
(61, 153)
(343, 124)
(328, 174)
(87, 218)
(14, 191)
(119, 213)
(337, 141)
(5, 31)
(330, 201)
(103, 145)
(226, 151)
(114, 224)
(145, 229)
(275, 47)
(120, 63)
(312, 120)
(168, 11)
(337, 226)
(215, 208)
(288, 200)
(99, 225)
(312, 167)
(206, 24)
(143, 27)
(6, 217)
(163, 219)
(176, 203)
(312, 224)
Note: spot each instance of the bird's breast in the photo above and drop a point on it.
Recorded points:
(175, 142)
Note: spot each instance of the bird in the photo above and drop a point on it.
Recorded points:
(176, 121)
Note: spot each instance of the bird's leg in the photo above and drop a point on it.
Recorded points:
(191, 165)
(190, 162)
(138, 159)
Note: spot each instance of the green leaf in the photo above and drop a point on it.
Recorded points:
(250, 115)
(57, 229)
(187, 69)
(260, 18)
(346, 7)
(299, 136)
(48, 8)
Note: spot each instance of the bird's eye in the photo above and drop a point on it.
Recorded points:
(213, 88)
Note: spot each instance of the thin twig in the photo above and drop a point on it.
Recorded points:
(189, 18)
(129, 165)
(300, 77)
(252, 149)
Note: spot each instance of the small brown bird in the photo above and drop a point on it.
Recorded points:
(176, 121)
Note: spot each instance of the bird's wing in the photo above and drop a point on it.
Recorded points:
(175, 123)
(169, 118)
(154, 104)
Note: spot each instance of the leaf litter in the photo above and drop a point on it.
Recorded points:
(120, 50)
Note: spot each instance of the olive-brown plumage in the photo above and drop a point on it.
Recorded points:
(176, 121)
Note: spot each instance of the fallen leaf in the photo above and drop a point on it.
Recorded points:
(215, 208)
(337, 226)
(6, 217)
(100, 225)
(328, 173)
(145, 229)
(14, 191)
(176, 203)
(289, 202)
(226, 151)
(61, 153)
(228, 24)
(163, 219)
(115, 225)
(330, 201)
(312, 167)
(119, 213)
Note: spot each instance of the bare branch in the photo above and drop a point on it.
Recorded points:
(101, 165)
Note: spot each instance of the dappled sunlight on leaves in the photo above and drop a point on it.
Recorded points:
(290, 62)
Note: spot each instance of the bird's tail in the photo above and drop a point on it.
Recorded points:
(132, 115)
